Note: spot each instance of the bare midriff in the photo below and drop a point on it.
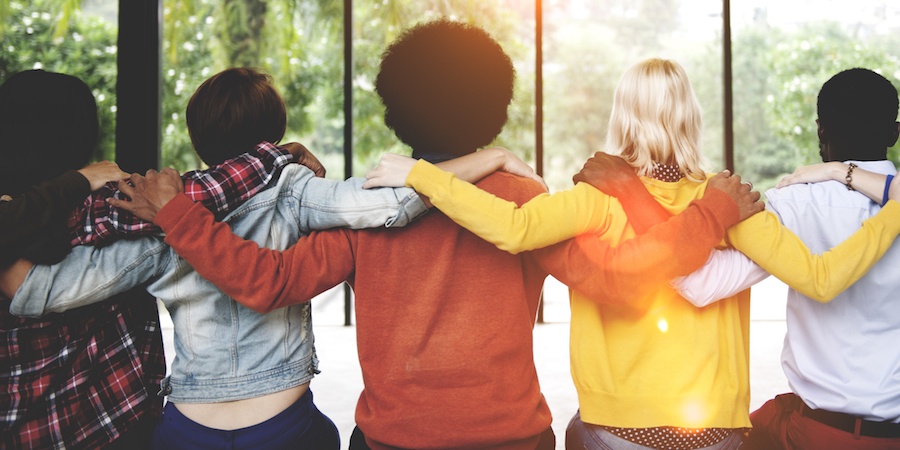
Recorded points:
(241, 413)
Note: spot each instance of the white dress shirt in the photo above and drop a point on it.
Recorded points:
(843, 355)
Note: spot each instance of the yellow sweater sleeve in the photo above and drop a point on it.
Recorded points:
(542, 221)
(779, 251)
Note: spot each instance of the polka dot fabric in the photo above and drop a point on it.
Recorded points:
(667, 173)
(672, 438)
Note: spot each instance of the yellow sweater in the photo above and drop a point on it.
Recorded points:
(669, 363)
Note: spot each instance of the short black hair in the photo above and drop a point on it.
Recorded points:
(446, 87)
(858, 107)
(232, 111)
(48, 125)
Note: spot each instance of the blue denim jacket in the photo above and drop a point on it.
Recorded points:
(223, 351)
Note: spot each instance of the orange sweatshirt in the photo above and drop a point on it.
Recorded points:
(444, 318)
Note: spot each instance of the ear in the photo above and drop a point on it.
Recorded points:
(820, 131)
(895, 133)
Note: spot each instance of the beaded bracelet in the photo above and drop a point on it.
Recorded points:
(887, 187)
(849, 177)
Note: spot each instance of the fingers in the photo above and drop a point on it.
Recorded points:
(122, 204)
(371, 179)
(370, 183)
(127, 188)
(375, 178)
(540, 180)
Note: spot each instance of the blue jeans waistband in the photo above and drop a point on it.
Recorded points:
(298, 423)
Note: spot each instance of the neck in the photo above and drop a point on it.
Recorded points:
(841, 153)
(436, 157)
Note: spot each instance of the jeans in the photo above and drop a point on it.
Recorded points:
(583, 436)
(300, 426)
(779, 425)
(546, 441)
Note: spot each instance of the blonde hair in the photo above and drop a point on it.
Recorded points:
(656, 119)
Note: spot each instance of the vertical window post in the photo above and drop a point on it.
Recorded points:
(348, 124)
(138, 88)
(728, 104)
(539, 106)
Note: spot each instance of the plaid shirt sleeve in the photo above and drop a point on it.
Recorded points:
(221, 189)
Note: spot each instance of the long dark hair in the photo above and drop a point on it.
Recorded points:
(48, 125)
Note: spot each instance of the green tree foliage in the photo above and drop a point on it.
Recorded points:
(778, 75)
(377, 24)
(777, 72)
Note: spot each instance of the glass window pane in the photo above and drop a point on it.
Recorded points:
(588, 45)
(377, 23)
(783, 52)
(300, 45)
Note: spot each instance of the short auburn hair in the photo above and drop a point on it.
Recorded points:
(233, 111)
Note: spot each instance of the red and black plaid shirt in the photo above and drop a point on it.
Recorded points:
(81, 379)
(220, 189)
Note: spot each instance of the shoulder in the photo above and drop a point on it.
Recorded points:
(511, 187)
(823, 193)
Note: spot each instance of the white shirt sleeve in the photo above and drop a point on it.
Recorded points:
(726, 273)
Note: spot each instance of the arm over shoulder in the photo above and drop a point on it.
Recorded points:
(326, 203)
(110, 270)
(545, 220)
(642, 264)
(261, 279)
(780, 252)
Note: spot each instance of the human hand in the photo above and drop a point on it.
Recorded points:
(5, 198)
(747, 199)
(609, 174)
(149, 193)
(304, 157)
(514, 165)
(815, 173)
(391, 171)
(100, 173)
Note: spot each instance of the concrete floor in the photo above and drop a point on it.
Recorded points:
(337, 387)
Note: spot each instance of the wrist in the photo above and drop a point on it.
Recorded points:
(848, 178)
(501, 156)
(720, 205)
(173, 211)
(75, 185)
(838, 171)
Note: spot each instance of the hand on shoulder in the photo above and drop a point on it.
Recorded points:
(149, 193)
(747, 200)
(100, 173)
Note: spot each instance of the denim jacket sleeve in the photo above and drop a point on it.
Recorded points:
(90, 275)
(328, 203)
